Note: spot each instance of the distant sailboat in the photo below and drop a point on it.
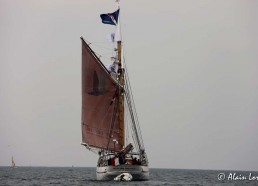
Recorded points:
(13, 163)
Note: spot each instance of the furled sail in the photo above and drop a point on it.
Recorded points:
(100, 118)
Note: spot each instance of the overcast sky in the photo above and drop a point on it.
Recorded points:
(193, 68)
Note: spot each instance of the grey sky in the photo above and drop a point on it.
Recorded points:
(193, 68)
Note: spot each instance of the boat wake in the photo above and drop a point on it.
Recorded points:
(124, 177)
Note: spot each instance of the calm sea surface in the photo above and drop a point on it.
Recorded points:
(86, 176)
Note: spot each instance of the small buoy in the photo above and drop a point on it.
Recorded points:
(124, 177)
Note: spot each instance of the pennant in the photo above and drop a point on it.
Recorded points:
(110, 18)
(111, 37)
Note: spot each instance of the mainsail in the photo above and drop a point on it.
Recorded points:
(100, 118)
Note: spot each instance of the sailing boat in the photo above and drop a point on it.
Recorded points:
(13, 163)
(110, 127)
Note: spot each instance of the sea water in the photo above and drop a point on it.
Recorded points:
(86, 176)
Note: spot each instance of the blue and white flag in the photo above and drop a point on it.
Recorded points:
(110, 18)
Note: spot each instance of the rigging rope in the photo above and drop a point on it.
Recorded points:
(132, 104)
(132, 98)
(131, 122)
(112, 121)
(134, 127)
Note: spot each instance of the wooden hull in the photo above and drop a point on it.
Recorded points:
(139, 172)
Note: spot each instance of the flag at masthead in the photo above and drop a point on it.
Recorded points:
(110, 18)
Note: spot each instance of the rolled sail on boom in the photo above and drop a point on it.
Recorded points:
(100, 118)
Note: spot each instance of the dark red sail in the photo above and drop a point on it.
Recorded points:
(100, 120)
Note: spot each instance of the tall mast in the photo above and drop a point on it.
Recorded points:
(120, 96)
(120, 92)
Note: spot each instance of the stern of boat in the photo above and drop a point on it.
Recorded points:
(139, 172)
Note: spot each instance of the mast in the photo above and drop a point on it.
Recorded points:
(120, 95)
(121, 82)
